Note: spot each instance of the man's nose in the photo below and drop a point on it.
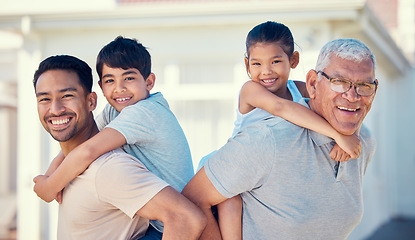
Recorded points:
(351, 94)
(57, 107)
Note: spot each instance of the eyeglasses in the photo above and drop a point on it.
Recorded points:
(342, 86)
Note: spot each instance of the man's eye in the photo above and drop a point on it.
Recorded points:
(109, 81)
(276, 61)
(67, 95)
(256, 64)
(339, 81)
(365, 86)
(129, 78)
(44, 99)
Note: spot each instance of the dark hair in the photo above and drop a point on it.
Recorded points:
(271, 32)
(124, 53)
(68, 63)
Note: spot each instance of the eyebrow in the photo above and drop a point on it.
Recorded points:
(70, 89)
(339, 76)
(123, 74)
(273, 57)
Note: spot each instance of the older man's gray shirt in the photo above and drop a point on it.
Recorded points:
(290, 187)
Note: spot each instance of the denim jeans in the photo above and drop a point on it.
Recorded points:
(152, 234)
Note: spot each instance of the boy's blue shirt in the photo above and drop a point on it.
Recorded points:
(155, 137)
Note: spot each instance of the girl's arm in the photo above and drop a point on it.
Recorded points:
(77, 161)
(254, 95)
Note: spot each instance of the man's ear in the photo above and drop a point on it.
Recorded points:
(150, 81)
(92, 101)
(294, 59)
(100, 84)
(311, 83)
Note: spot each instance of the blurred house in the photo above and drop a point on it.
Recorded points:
(197, 48)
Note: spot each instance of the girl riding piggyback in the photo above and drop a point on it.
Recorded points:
(270, 56)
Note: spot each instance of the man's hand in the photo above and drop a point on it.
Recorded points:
(41, 188)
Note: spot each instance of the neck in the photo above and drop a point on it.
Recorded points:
(79, 138)
(284, 93)
(311, 105)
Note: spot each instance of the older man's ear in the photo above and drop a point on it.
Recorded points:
(311, 83)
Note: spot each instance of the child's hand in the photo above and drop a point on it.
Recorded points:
(58, 198)
(41, 188)
(339, 154)
(350, 144)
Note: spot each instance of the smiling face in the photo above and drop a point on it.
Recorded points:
(344, 111)
(270, 66)
(64, 107)
(123, 88)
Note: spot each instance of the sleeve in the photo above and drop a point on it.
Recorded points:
(136, 123)
(103, 118)
(243, 163)
(126, 183)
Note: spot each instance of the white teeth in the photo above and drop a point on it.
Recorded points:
(268, 80)
(59, 122)
(122, 99)
(347, 109)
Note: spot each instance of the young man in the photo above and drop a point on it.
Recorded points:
(115, 196)
(290, 187)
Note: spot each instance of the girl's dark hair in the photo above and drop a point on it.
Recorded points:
(124, 53)
(68, 63)
(271, 32)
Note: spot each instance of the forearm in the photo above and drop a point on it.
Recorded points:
(306, 118)
(212, 229)
(74, 164)
(184, 227)
(55, 163)
(182, 219)
(83, 155)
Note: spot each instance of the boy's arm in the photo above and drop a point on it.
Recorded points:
(255, 95)
(181, 218)
(202, 192)
(77, 161)
(52, 167)
(55, 163)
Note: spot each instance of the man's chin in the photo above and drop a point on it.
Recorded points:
(347, 129)
(61, 137)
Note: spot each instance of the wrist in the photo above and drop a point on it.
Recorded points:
(337, 136)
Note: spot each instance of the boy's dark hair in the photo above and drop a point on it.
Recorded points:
(68, 63)
(124, 53)
(271, 32)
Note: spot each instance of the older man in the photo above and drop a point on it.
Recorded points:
(290, 187)
(116, 195)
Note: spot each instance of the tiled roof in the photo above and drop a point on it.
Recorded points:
(386, 11)
(177, 1)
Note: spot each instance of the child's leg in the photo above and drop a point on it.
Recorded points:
(230, 218)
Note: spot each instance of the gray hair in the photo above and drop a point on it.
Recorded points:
(345, 48)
